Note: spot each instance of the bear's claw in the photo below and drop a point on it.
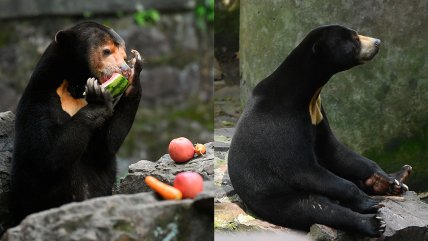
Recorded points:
(374, 226)
(136, 61)
(136, 64)
(382, 225)
(399, 178)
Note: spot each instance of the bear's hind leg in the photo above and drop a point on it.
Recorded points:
(300, 211)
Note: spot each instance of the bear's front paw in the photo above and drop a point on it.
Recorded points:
(136, 61)
(398, 187)
(136, 64)
(96, 94)
(379, 183)
(392, 184)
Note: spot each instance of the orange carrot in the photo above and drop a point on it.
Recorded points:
(166, 191)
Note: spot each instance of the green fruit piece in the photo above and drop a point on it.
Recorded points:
(116, 85)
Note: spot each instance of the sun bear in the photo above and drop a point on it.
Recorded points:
(284, 161)
(67, 130)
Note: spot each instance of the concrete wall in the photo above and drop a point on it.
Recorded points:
(378, 106)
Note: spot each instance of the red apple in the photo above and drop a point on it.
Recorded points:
(189, 183)
(181, 149)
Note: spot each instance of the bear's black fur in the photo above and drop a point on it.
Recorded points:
(65, 144)
(284, 161)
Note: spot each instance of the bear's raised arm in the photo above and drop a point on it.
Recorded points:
(124, 113)
(348, 164)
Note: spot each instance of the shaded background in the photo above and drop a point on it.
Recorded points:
(175, 38)
(378, 109)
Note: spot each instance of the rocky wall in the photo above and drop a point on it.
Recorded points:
(177, 74)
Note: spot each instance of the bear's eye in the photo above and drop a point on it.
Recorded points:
(106, 52)
(356, 38)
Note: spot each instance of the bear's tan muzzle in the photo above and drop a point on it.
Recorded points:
(369, 48)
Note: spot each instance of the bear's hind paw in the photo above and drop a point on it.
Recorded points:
(373, 226)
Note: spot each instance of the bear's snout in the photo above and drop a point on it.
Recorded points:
(369, 47)
(125, 70)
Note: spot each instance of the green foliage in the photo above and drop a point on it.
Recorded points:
(87, 14)
(120, 13)
(4, 37)
(204, 12)
(146, 17)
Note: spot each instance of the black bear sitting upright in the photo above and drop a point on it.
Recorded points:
(65, 143)
(284, 161)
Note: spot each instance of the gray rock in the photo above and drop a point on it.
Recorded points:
(152, 41)
(165, 170)
(120, 217)
(7, 133)
(405, 217)
(270, 236)
(168, 85)
(8, 95)
(222, 139)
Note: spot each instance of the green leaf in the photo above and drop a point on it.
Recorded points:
(210, 17)
(200, 10)
(142, 18)
(87, 14)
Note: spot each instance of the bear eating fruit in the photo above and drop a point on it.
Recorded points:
(66, 140)
(284, 161)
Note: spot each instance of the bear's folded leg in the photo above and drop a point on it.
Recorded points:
(301, 210)
(321, 181)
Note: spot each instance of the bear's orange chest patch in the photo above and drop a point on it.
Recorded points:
(315, 108)
(68, 103)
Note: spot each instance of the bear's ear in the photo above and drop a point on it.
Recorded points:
(63, 37)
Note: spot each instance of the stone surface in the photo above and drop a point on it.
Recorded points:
(22, 8)
(162, 83)
(165, 170)
(376, 106)
(143, 216)
(7, 133)
(269, 236)
(227, 106)
(120, 217)
(405, 216)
